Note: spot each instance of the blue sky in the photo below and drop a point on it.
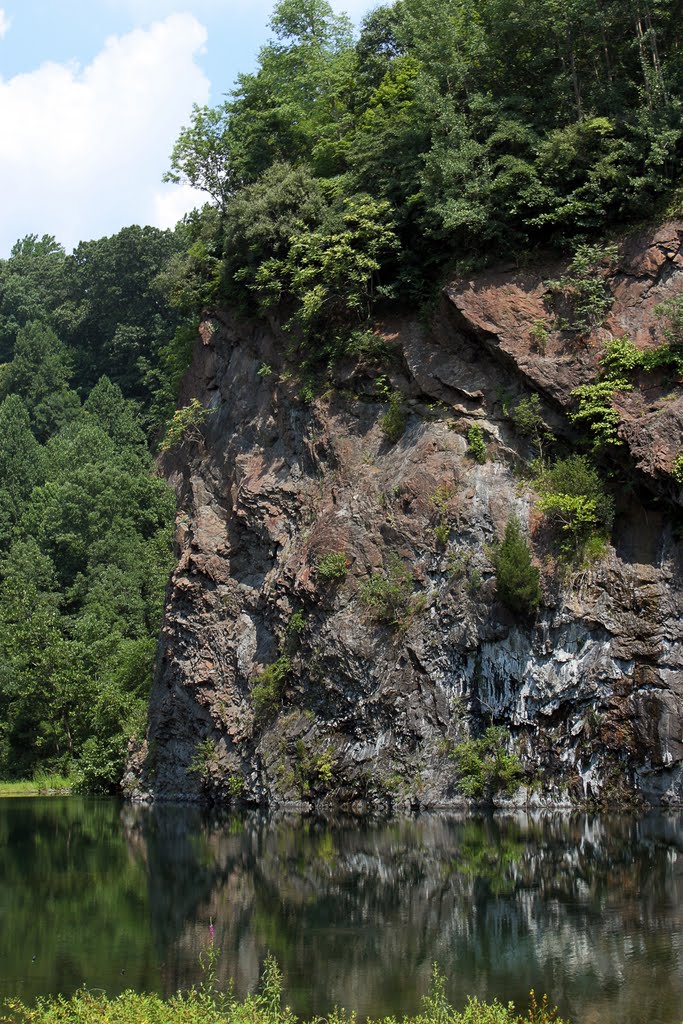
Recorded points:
(92, 96)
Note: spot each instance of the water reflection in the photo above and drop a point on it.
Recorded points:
(586, 908)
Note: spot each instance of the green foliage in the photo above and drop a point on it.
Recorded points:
(42, 784)
(114, 318)
(517, 578)
(393, 422)
(583, 286)
(185, 426)
(201, 156)
(621, 358)
(677, 469)
(574, 500)
(39, 373)
(332, 566)
(85, 551)
(202, 759)
(330, 274)
(389, 597)
(209, 1005)
(597, 412)
(476, 445)
(485, 767)
(540, 336)
(266, 693)
(442, 532)
(324, 767)
(527, 419)
(297, 623)
(235, 786)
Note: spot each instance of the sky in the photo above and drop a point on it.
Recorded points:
(93, 94)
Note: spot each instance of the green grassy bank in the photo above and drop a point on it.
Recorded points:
(40, 785)
(207, 1005)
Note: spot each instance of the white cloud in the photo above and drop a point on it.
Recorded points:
(4, 24)
(173, 202)
(82, 150)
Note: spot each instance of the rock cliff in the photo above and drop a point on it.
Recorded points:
(278, 678)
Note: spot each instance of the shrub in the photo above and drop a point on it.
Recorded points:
(597, 412)
(297, 623)
(517, 578)
(235, 786)
(185, 425)
(476, 445)
(528, 421)
(324, 767)
(389, 594)
(485, 766)
(677, 469)
(208, 1005)
(202, 759)
(442, 532)
(332, 566)
(440, 499)
(539, 334)
(621, 357)
(266, 693)
(574, 501)
(583, 286)
(393, 423)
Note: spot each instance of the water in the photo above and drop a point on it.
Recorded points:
(589, 909)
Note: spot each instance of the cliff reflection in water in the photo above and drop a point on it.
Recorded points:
(588, 909)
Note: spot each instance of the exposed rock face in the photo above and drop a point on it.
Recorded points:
(366, 712)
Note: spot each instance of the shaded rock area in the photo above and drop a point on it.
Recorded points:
(366, 706)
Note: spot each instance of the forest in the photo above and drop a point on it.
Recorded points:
(352, 170)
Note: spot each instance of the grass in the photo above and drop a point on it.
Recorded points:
(207, 1005)
(39, 785)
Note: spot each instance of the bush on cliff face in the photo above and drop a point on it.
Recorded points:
(574, 501)
(517, 578)
(485, 768)
(266, 693)
(388, 595)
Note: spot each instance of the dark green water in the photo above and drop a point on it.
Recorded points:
(589, 909)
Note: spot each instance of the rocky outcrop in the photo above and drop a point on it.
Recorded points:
(282, 679)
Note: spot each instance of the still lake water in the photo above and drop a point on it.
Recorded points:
(587, 908)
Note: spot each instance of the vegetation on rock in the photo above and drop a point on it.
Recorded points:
(517, 578)
(485, 767)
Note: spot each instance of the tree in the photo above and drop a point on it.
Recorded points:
(202, 155)
(517, 578)
(527, 418)
(116, 315)
(31, 287)
(40, 373)
(332, 274)
(21, 463)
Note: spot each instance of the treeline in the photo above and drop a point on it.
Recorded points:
(346, 169)
(85, 525)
